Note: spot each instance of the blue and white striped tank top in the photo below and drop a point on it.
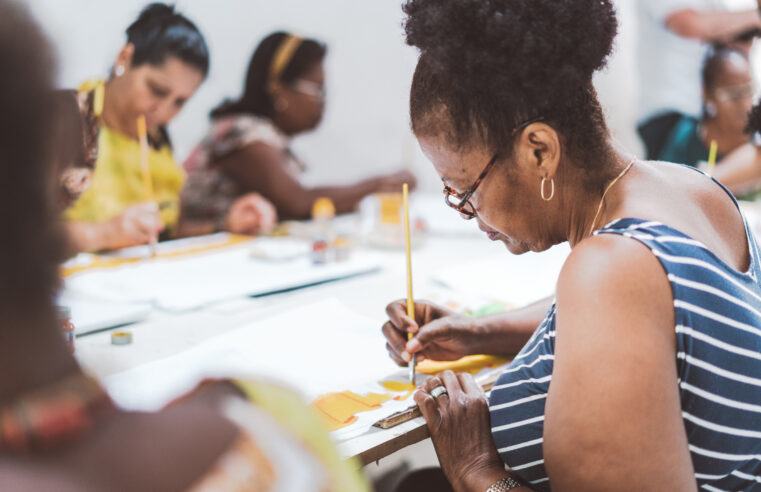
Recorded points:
(717, 312)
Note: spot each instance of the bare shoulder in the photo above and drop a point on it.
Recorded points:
(613, 404)
(694, 204)
(612, 270)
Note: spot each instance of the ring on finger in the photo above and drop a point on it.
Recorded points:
(438, 391)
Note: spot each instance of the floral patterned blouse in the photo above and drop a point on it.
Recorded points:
(209, 191)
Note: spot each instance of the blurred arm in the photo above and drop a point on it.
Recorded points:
(712, 26)
(740, 171)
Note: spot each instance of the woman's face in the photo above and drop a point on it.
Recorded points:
(303, 100)
(507, 201)
(158, 91)
(733, 95)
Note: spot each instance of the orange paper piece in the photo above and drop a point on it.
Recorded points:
(471, 364)
(340, 409)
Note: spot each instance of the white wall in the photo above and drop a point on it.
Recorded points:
(366, 127)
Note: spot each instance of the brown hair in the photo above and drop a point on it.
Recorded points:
(32, 244)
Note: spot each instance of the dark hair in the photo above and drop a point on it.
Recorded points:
(714, 62)
(33, 246)
(160, 32)
(67, 132)
(754, 120)
(486, 66)
(256, 98)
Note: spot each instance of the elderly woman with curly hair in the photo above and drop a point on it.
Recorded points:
(645, 371)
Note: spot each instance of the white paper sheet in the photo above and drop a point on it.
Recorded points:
(319, 348)
(89, 316)
(193, 281)
(516, 279)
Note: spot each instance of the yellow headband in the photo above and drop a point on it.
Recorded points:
(283, 56)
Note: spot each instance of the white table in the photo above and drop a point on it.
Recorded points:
(164, 334)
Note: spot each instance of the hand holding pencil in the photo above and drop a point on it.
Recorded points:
(142, 135)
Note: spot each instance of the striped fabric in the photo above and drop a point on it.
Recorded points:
(718, 327)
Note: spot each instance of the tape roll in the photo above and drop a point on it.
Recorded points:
(121, 338)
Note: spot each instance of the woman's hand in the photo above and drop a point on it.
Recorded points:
(460, 429)
(138, 224)
(440, 334)
(251, 214)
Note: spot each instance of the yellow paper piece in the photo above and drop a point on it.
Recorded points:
(340, 409)
(398, 387)
(471, 364)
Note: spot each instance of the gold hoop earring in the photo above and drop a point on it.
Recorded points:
(552, 189)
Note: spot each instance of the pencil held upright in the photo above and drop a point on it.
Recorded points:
(712, 157)
(410, 298)
(142, 135)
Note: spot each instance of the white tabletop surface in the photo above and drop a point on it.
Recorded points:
(164, 334)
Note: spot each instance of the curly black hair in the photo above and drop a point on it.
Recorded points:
(486, 66)
(754, 120)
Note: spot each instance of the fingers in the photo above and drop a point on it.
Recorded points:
(424, 313)
(395, 356)
(396, 342)
(428, 334)
(431, 383)
(429, 408)
(469, 385)
(452, 384)
(397, 313)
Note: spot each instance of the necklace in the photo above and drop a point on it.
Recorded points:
(49, 417)
(607, 189)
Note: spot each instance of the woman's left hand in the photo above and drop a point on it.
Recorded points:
(460, 429)
(251, 214)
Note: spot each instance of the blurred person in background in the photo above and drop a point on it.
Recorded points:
(247, 148)
(727, 100)
(157, 71)
(674, 36)
(59, 429)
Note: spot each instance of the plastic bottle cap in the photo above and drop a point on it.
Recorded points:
(323, 208)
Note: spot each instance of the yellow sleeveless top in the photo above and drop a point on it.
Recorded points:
(117, 181)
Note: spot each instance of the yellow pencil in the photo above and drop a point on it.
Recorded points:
(142, 135)
(410, 301)
(712, 157)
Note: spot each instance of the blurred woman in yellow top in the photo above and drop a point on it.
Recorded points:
(162, 65)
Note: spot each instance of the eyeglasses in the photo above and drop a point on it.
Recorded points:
(734, 92)
(308, 88)
(461, 202)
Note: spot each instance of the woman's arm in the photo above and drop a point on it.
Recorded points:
(260, 168)
(613, 419)
(712, 26)
(740, 171)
